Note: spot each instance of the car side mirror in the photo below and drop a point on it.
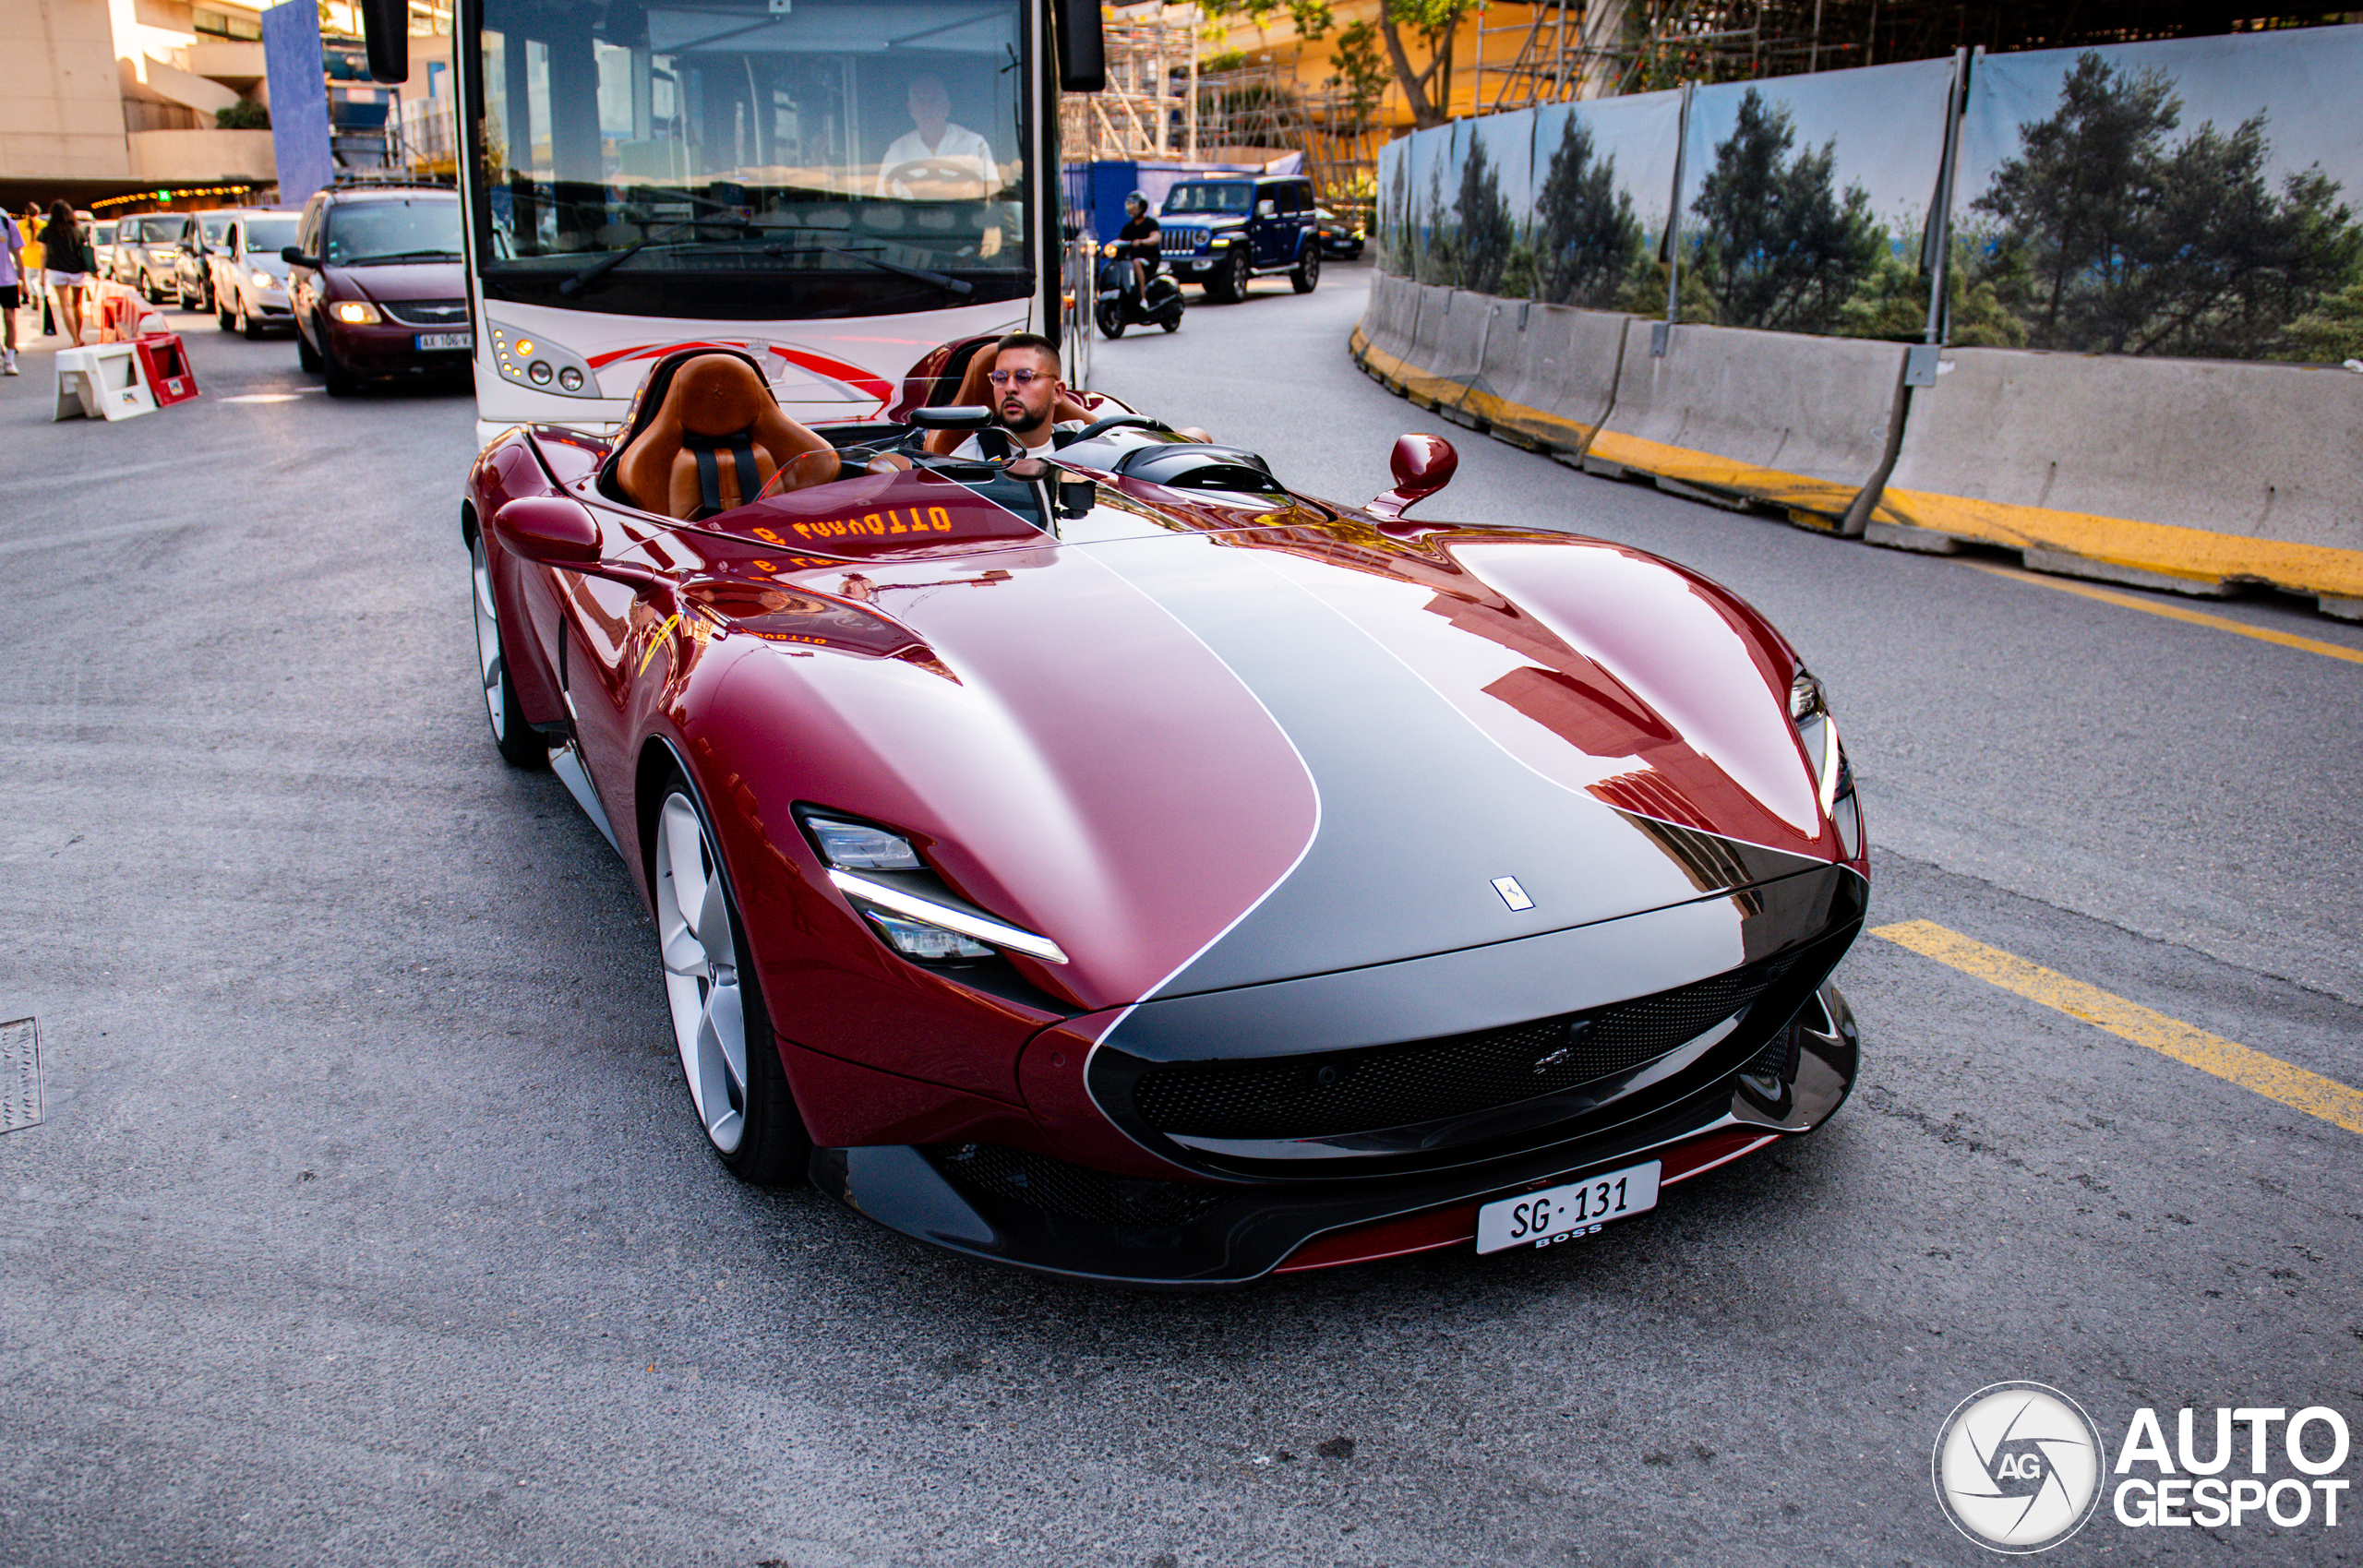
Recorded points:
(1266, 209)
(293, 255)
(1422, 465)
(549, 531)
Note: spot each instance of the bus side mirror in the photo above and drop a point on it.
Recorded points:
(1082, 47)
(386, 24)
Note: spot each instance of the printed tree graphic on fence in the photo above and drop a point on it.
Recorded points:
(2113, 241)
(1777, 247)
(1586, 237)
(1485, 231)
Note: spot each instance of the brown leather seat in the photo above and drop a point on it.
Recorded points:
(715, 439)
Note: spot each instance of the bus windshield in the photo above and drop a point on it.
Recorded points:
(738, 159)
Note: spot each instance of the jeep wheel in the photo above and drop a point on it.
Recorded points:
(1307, 275)
(1228, 282)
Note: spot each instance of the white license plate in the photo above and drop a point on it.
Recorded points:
(446, 341)
(1562, 1214)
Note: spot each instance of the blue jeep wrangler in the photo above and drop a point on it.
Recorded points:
(1223, 231)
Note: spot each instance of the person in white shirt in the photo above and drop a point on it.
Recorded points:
(926, 161)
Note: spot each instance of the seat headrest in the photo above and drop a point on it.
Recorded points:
(654, 398)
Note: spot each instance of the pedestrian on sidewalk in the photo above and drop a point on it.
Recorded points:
(12, 277)
(65, 263)
(28, 263)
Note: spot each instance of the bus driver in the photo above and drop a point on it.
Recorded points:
(935, 154)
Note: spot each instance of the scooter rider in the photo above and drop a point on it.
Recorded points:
(1141, 241)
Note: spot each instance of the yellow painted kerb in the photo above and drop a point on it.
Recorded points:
(2270, 1076)
(2196, 553)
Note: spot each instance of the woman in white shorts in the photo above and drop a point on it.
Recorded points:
(66, 254)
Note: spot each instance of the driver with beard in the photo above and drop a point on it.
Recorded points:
(1033, 411)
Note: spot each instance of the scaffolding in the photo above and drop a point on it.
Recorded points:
(1564, 50)
(1149, 108)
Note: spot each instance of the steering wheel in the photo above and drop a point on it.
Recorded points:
(1122, 421)
(958, 172)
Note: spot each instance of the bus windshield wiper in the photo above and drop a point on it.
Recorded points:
(958, 287)
(613, 259)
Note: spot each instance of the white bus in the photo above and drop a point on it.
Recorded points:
(835, 185)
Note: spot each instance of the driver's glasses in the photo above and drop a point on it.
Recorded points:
(1023, 378)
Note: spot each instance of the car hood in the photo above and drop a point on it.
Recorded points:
(1205, 745)
(397, 282)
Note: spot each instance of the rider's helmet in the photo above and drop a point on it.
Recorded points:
(1138, 199)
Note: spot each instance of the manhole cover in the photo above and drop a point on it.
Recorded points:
(19, 1074)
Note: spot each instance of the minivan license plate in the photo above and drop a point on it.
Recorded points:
(446, 341)
(1562, 1214)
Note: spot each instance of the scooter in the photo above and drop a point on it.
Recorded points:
(1121, 303)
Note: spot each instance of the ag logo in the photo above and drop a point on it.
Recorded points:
(2018, 1467)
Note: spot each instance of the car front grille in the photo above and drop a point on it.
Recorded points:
(427, 312)
(1332, 1093)
(1041, 1183)
(1183, 240)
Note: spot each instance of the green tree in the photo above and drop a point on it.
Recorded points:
(1485, 231)
(2331, 333)
(1777, 246)
(1439, 259)
(2116, 242)
(1428, 92)
(1892, 303)
(1399, 230)
(1586, 237)
(1362, 76)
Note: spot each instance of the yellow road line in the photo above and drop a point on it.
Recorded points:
(2174, 612)
(2270, 1076)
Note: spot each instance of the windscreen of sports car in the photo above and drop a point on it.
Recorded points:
(1113, 863)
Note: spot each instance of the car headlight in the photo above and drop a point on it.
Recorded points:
(1809, 710)
(261, 279)
(358, 313)
(907, 905)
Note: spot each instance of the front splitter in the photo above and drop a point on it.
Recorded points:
(1286, 1225)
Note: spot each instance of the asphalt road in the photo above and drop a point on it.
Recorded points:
(368, 1223)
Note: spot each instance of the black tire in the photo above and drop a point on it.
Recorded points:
(248, 326)
(306, 356)
(1227, 284)
(1172, 322)
(1111, 322)
(1307, 276)
(222, 317)
(521, 746)
(768, 1145)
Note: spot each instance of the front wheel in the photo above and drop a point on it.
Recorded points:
(1228, 282)
(1307, 276)
(221, 316)
(1111, 322)
(306, 356)
(519, 744)
(721, 1028)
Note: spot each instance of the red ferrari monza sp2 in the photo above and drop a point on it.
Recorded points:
(1125, 868)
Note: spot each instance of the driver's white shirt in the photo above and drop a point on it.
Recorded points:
(960, 145)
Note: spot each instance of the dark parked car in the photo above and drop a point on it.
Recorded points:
(1222, 232)
(378, 287)
(1340, 237)
(201, 237)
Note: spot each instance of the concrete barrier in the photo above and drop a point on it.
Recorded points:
(1382, 344)
(1548, 375)
(1420, 374)
(1736, 416)
(2195, 475)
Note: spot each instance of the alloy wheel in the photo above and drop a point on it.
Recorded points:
(489, 660)
(700, 952)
